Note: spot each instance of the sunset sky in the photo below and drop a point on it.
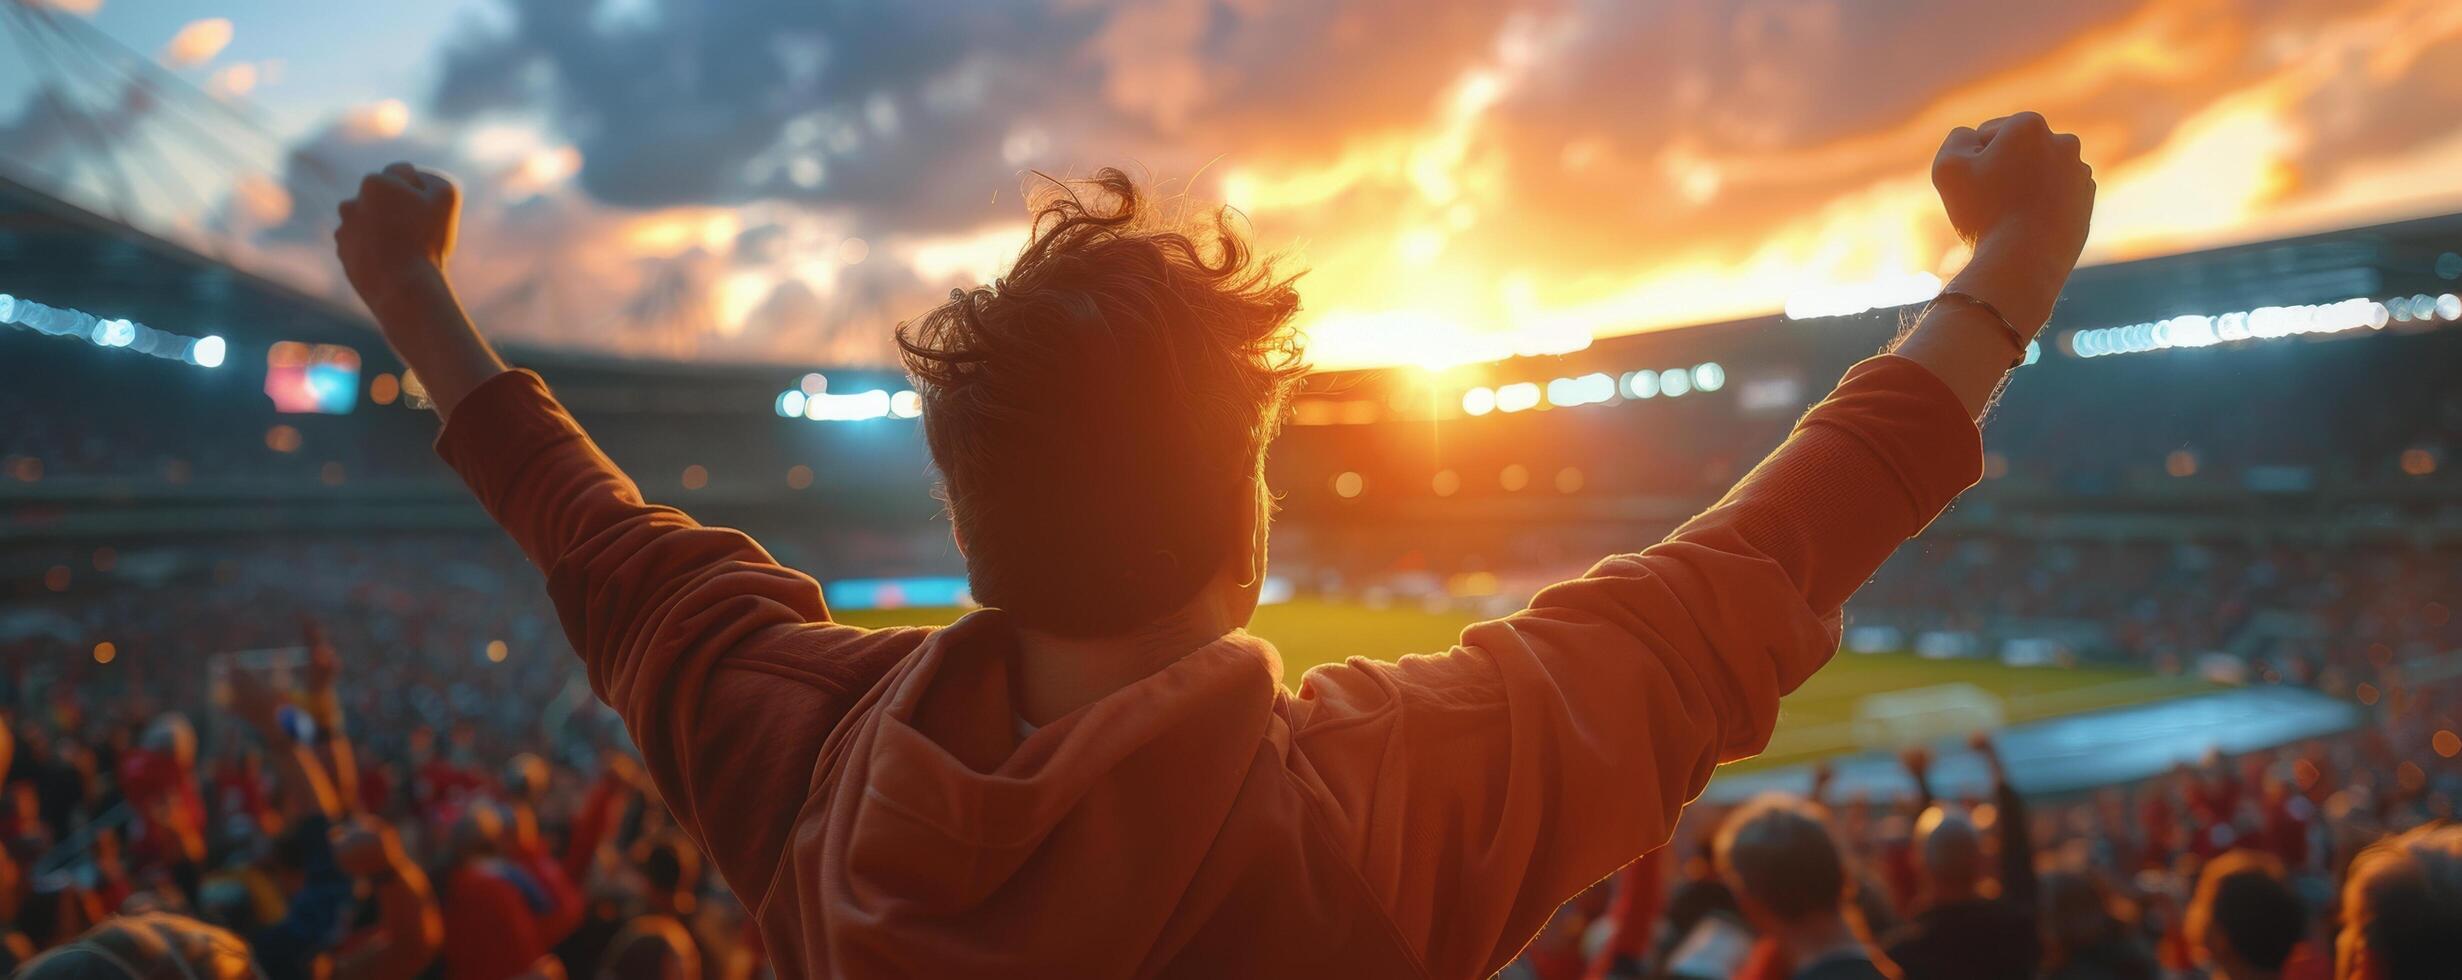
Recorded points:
(1463, 179)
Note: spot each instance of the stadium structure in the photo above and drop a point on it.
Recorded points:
(2280, 402)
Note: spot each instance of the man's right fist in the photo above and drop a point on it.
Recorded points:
(399, 228)
(2019, 193)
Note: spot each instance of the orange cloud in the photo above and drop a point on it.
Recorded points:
(197, 43)
(1465, 179)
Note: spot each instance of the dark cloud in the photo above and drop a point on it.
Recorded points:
(875, 107)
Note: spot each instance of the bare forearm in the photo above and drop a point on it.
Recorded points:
(424, 322)
(1965, 346)
(345, 762)
(305, 790)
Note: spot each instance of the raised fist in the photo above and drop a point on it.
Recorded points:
(2019, 193)
(2014, 174)
(400, 227)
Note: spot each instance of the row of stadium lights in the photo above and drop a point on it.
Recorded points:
(813, 400)
(2263, 323)
(1597, 388)
(205, 352)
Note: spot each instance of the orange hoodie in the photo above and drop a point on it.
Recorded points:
(868, 795)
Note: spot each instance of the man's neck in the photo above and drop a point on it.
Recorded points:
(1054, 675)
(1950, 891)
(1819, 938)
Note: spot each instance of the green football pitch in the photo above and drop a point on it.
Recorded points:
(1817, 720)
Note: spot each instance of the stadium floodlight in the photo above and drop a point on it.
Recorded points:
(871, 404)
(1674, 382)
(117, 332)
(208, 351)
(1561, 393)
(1709, 376)
(2448, 306)
(1479, 401)
(1589, 389)
(791, 403)
(905, 404)
(2263, 323)
(1641, 384)
(1517, 396)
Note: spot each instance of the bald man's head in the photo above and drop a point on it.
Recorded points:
(1950, 851)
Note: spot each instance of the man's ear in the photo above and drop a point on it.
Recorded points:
(2364, 966)
(1260, 530)
(2213, 947)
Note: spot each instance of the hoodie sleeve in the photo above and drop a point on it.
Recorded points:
(722, 663)
(1482, 787)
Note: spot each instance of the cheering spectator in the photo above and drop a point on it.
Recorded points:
(657, 944)
(2245, 921)
(302, 863)
(495, 911)
(2402, 908)
(409, 929)
(1793, 884)
(1961, 931)
(145, 947)
(917, 801)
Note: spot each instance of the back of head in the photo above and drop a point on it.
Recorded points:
(2245, 912)
(1777, 853)
(670, 867)
(479, 830)
(1100, 415)
(145, 947)
(526, 778)
(2402, 907)
(652, 947)
(1949, 849)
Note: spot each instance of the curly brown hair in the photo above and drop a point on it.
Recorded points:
(1099, 416)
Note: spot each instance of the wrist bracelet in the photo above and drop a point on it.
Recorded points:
(2016, 337)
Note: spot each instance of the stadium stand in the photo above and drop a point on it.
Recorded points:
(157, 516)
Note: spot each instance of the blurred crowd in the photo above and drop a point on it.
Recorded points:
(376, 757)
(2330, 615)
(331, 759)
(2267, 865)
